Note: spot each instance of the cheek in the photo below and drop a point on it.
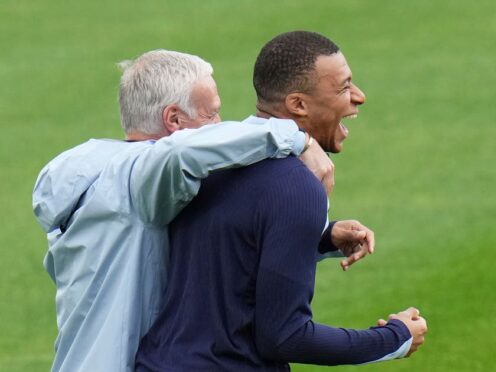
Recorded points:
(201, 123)
(334, 133)
(216, 119)
(339, 137)
(344, 102)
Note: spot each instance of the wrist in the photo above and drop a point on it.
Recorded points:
(326, 245)
(308, 142)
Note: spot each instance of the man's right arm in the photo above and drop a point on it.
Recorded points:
(285, 330)
(167, 175)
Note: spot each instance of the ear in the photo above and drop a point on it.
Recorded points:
(171, 118)
(296, 104)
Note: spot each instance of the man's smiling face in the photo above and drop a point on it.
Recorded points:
(332, 97)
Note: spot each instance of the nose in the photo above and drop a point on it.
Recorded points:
(357, 96)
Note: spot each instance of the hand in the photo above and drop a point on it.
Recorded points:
(415, 324)
(320, 165)
(354, 240)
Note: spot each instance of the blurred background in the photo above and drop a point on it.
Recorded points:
(418, 167)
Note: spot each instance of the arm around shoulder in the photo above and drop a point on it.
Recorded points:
(167, 175)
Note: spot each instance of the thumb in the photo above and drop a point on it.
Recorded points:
(381, 322)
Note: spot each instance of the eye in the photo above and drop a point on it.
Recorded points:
(210, 115)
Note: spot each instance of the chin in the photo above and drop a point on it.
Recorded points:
(336, 148)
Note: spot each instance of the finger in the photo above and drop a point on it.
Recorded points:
(358, 254)
(358, 236)
(413, 313)
(367, 247)
(370, 238)
(352, 238)
(347, 262)
(424, 324)
(381, 322)
(367, 236)
(392, 316)
(328, 178)
(344, 265)
(328, 182)
(419, 341)
(413, 349)
(426, 329)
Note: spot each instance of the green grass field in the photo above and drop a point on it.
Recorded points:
(418, 167)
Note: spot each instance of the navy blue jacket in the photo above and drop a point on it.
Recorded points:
(242, 274)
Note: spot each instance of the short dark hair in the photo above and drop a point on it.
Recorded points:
(284, 63)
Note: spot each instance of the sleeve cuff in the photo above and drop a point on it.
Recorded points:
(404, 338)
(326, 244)
(299, 143)
(404, 333)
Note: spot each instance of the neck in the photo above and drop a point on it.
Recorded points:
(263, 113)
(272, 111)
(138, 136)
(269, 111)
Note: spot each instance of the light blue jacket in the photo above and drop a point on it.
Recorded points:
(105, 206)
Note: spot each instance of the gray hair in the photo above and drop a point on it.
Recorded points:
(153, 81)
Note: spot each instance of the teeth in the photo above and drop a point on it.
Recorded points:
(352, 116)
(343, 127)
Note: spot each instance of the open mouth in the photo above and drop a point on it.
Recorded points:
(344, 129)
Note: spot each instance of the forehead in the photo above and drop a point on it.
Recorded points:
(333, 68)
(205, 93)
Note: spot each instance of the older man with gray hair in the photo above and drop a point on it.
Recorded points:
(105, 204)
(165, 87)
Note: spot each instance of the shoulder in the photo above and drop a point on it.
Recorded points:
(279, 181)
(272, 175)
(94, 151)
(290, 169)
(289, 184)
(274, 168)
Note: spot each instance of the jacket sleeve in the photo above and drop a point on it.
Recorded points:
(326, 247)
(294, 212)
(167, 175)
